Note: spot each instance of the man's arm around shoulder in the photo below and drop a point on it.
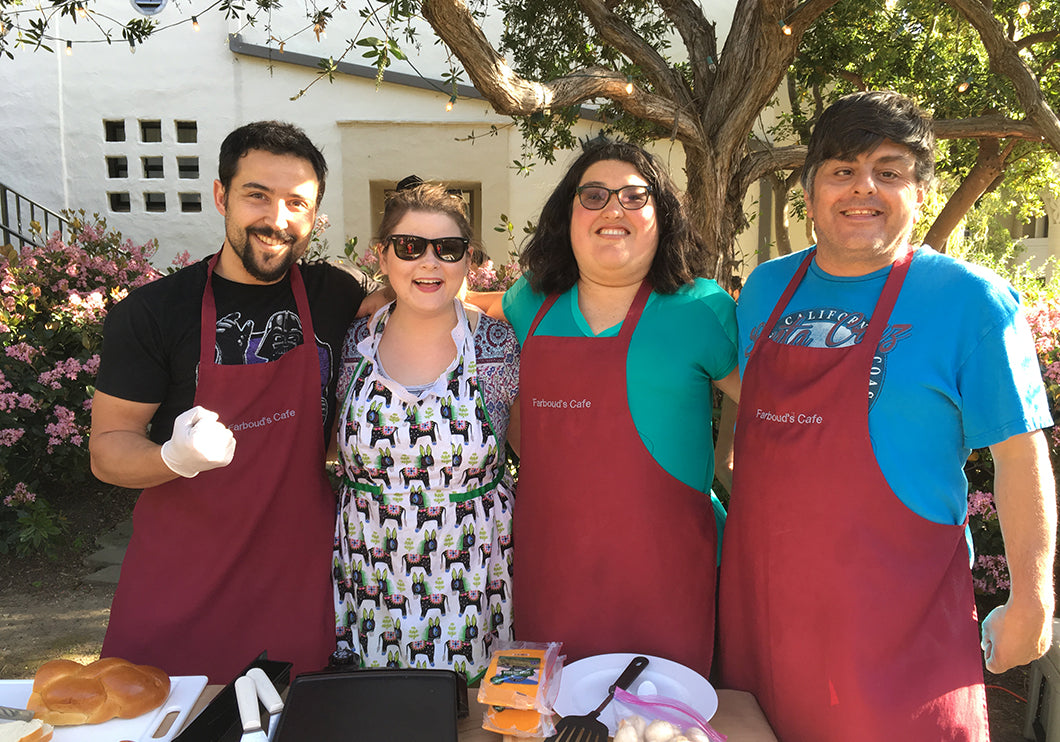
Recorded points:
(1020, 631)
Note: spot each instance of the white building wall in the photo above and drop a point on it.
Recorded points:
(56, 152)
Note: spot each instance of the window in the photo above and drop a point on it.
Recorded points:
(120, 201)
(114, 131)
(153, 167)
(190, 202)
(117, 167)
(155, 202)
(187, 167)
(150, 131)
(471, 193)
(187, 132)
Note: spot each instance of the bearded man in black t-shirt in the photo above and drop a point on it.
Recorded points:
(214, 371)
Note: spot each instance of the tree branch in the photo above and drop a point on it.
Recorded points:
(1005, 60)
(991, 125)
(1042, 37)
(510, 94)
(701, 42)
(618, 34)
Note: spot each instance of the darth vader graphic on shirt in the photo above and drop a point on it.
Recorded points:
(243, 340)
(239, 341)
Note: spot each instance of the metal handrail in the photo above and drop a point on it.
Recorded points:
(17, 215)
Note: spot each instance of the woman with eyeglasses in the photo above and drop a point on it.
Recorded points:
(621, 342)
(423, 537)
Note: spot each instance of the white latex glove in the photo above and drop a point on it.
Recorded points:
(199, 443)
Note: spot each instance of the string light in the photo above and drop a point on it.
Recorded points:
(449, 105)
(629, 84)
(69, 48)
(963, 87)
(784, 27)
(1024, 9)
(81, 10)
(132, 47)
(711, 64)
(195, 23)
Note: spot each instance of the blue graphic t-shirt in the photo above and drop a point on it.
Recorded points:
(955, 370)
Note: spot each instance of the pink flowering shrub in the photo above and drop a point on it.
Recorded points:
(52, 303)
(492, 277)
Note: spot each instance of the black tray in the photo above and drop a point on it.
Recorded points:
(395, 705)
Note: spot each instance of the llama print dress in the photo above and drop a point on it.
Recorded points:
(422, 561)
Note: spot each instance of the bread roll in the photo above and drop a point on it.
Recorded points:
(25, 731)
(66, 692)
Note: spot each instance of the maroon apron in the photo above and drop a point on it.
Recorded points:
(237, 560)
(848, 616)
(613, 554)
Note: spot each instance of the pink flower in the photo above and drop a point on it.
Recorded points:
(10, 436)
(22, 351)
(991, 573)
(981, 503)
(63, 430)
(182, 259)
(21, 494)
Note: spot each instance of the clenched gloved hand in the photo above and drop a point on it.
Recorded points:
(199, 443)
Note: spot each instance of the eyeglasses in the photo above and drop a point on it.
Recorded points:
(631, 197)
(412, 247)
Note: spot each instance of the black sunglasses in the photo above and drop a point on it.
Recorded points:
(412, 247)
(631, 197)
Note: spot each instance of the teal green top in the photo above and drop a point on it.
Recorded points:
(682, 342)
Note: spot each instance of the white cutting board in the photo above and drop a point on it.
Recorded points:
(184, 691)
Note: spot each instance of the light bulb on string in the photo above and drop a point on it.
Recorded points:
(629, 84)
(195, 23)
(711, 65)
(784, 27)
(69, 48)
(1024, 9)
(132, 47)
(81, 11)
(449, 104)
(963, 87)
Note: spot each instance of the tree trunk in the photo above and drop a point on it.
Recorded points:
(781, 223)
(989, 165)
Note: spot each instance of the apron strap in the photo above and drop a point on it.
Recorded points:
(628, 324)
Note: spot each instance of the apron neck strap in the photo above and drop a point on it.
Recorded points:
(628, 324)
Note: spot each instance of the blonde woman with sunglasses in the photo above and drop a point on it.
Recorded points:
(423, 537)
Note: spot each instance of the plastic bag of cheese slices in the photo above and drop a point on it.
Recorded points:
(660, 719)
(519, 687)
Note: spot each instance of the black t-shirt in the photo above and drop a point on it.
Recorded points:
(151, 338)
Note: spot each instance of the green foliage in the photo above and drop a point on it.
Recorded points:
(928, 51)
(52, 303)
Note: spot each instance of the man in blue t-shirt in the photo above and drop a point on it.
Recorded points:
(870, 370)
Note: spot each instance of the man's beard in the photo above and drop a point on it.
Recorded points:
(272, 270)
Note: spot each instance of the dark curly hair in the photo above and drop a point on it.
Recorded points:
(276, 137)
(548, 258)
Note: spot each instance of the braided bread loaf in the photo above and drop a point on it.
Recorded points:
(67, 692)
